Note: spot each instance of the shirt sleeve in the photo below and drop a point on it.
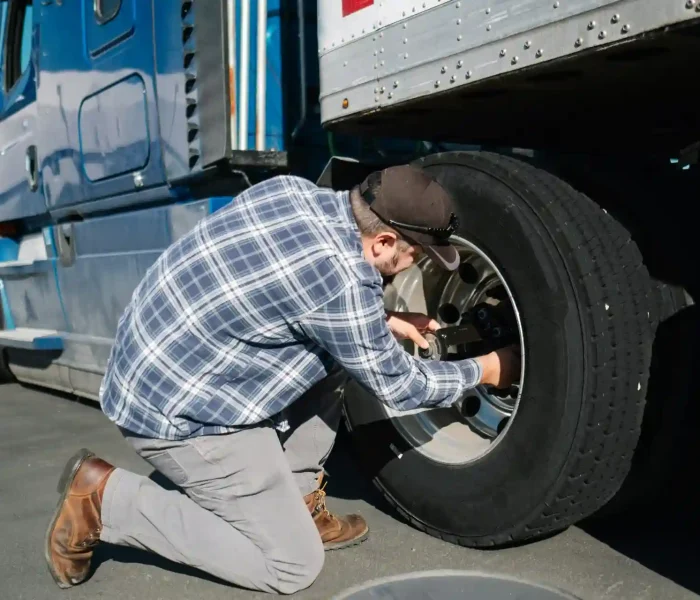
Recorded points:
(352, 328)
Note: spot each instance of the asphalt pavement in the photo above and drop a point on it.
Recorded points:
(646, 556)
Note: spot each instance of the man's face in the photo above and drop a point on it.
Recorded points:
(391, 256)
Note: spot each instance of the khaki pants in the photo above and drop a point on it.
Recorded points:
(242, 517)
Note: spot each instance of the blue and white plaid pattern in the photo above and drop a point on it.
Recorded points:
(247, 311)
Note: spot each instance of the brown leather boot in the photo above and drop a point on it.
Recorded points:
(77, 523)
(336, 532)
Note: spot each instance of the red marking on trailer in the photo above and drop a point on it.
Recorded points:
(352, 6)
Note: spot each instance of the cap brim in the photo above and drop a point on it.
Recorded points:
(445, 256)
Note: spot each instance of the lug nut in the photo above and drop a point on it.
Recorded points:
(432, 352)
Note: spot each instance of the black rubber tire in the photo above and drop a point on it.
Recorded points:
(585, 300)
(630, 192)
(667, 421)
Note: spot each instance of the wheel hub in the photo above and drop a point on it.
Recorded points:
(479, 333)
(477, 314)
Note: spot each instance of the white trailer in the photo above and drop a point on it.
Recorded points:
(545, 73)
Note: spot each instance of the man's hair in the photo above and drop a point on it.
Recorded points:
(367, 221)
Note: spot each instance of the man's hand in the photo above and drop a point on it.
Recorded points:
(501, 368)
(409, 326)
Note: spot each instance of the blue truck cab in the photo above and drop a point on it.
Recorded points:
(123, 123)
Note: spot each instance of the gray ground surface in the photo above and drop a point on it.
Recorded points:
(649, 556)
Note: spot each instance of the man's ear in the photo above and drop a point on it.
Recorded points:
(383, 244)
(386, 239)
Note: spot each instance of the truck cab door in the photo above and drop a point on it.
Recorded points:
(20, 190)
(97, 101)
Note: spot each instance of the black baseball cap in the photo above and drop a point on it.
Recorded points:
(418, 207)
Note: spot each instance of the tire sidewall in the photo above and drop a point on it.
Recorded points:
(503, 489)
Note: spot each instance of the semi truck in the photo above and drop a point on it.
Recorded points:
(565, 130)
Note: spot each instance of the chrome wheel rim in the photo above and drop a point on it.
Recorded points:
(482, 418)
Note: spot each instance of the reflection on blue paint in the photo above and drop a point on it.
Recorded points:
(3, 12)
(113, 129)
(107, 9)
(26, 50)
(218, 202)
(5, 309)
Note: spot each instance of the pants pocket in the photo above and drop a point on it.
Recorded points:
(166, 462)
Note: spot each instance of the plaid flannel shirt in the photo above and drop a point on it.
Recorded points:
(253, 306)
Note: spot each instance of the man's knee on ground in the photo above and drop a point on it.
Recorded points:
(302, 568)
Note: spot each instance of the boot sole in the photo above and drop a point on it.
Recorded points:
(330, 546)
(64, 483)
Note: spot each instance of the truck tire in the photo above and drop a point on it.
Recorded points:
(584, 302)
(668, 422)
(666, 244)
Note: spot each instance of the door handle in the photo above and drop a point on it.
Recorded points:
(32, 167)
(63, 234)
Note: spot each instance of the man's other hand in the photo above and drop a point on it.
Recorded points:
(410, 326)
(501, 368)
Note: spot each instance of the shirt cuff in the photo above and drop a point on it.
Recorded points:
(472, 373)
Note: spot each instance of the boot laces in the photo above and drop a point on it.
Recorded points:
(92, 538)
(320, 497)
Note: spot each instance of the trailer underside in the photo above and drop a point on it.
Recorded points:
(624, 97)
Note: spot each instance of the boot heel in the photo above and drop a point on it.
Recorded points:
(71, 467)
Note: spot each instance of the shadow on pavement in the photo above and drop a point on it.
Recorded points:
(660, 539)
(662, 534)
(347, 481)
(106, 552)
